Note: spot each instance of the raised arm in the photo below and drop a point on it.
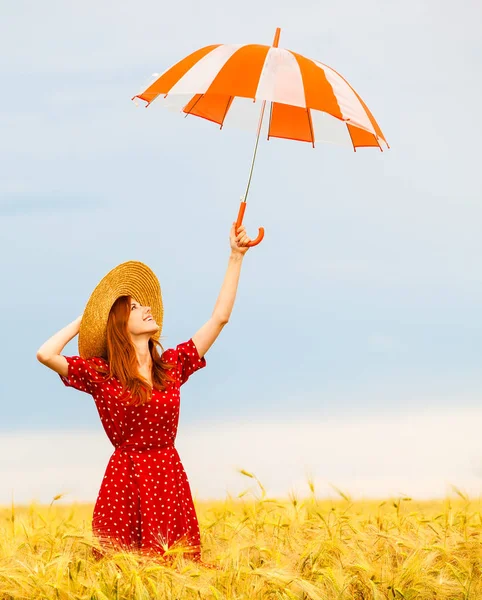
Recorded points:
(49, 352)
(207, 335)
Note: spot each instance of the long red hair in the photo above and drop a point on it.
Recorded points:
(122, 359)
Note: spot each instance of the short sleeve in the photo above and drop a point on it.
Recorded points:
(188, 359)
(81, 374)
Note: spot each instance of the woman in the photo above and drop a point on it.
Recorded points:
(144, 502)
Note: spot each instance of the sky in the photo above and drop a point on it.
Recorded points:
(362, 303)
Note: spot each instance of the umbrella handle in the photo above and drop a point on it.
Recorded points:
(239, 222)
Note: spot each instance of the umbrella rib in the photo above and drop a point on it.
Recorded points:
(270, 117)
(228, 105)
(308, 112)
(351, 137)
(193, 106)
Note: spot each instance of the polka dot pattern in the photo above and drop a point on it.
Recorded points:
(145, 501)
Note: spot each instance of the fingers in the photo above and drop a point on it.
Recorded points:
(240, 236)
(241, 230)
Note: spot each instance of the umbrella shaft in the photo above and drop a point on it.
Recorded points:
(255, 149)
(275, 45)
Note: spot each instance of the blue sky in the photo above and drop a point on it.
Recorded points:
(364, 297)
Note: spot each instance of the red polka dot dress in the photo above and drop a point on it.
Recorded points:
(144, 502)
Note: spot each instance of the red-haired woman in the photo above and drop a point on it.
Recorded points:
(144, 502)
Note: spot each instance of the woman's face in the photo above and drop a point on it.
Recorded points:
(141, 320)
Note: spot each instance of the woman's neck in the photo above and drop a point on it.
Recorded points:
(144, 358)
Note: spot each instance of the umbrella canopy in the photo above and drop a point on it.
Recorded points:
(300, 90)
(210, 81)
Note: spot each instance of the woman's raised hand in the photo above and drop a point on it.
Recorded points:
(239, 240)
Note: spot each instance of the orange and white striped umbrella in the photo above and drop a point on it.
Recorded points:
(309, 101)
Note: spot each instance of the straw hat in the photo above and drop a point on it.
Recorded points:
(131, 278)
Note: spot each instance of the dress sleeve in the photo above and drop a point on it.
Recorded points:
(81, 374)
(188, 359)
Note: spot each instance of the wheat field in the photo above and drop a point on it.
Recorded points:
(297, 548)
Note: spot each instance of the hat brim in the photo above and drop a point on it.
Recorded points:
(131, 278)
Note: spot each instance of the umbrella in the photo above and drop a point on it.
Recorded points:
(306, 97)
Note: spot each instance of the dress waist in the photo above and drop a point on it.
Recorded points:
(142, 448)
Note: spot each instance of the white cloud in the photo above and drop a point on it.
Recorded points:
(420, 455)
